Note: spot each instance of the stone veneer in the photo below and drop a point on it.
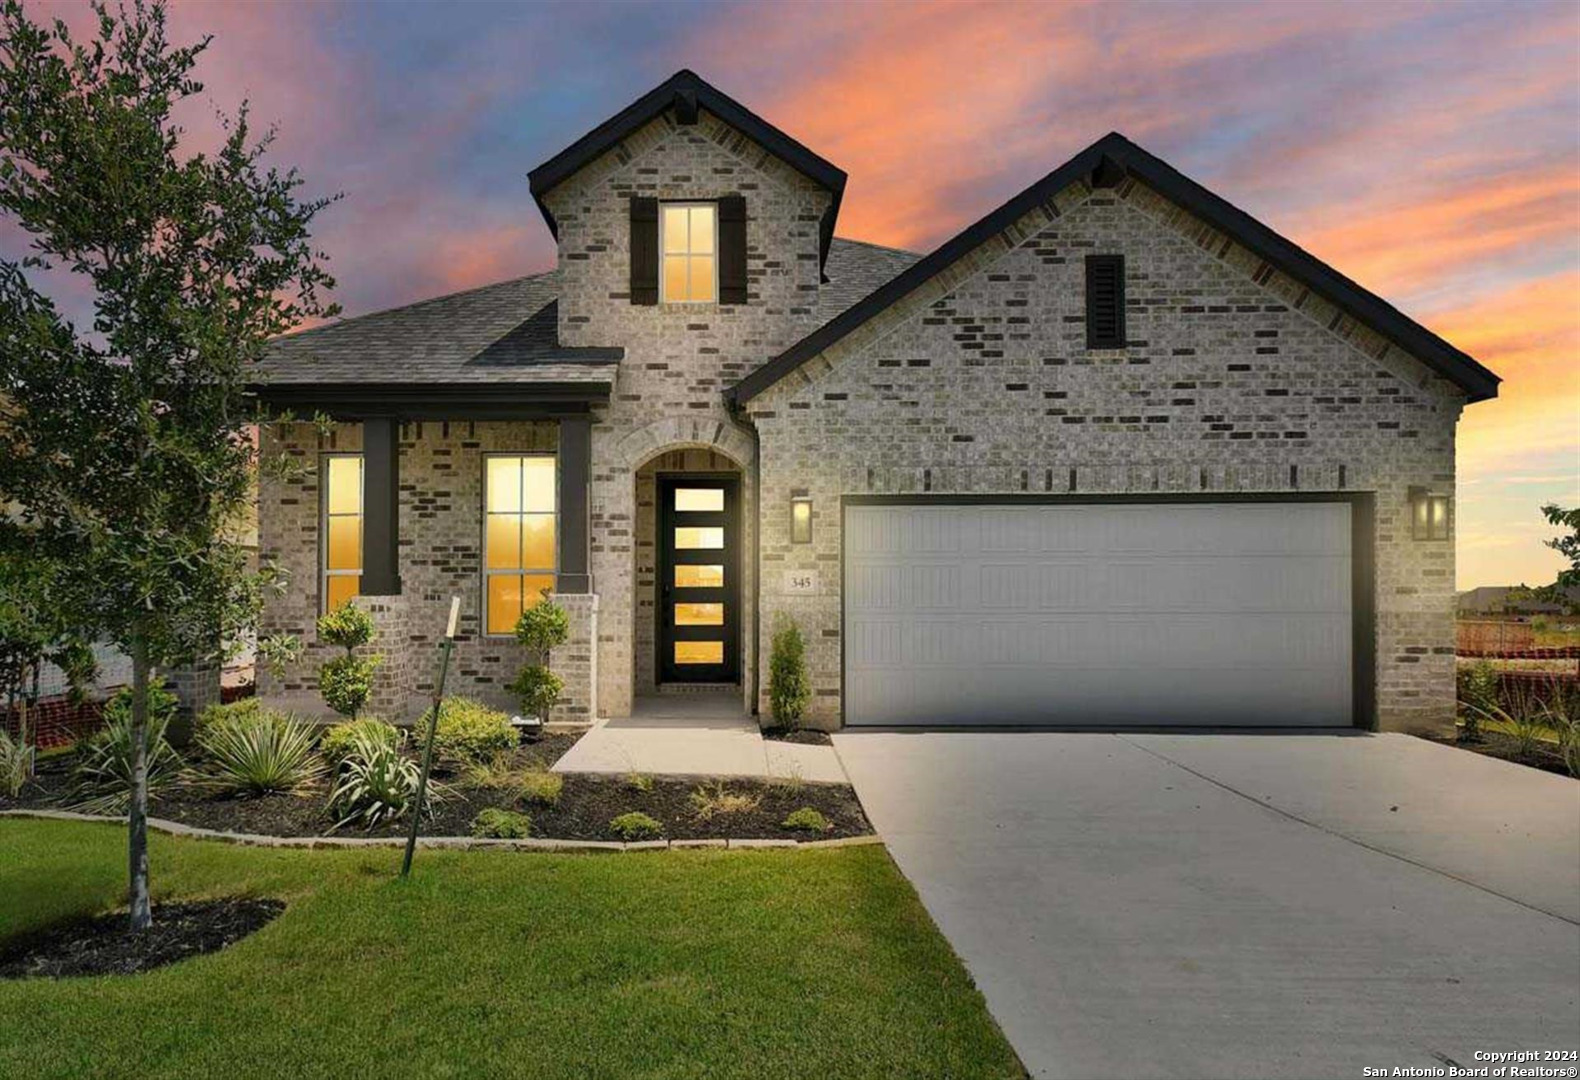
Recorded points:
(441, 522)
(1235, 379)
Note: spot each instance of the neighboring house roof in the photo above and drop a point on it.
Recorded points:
(1104, 161)
(1513, 599)
(501, 333)
(685, 91)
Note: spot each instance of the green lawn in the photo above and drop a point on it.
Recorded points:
(663, 964)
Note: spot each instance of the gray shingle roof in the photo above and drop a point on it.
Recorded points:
(505, 332)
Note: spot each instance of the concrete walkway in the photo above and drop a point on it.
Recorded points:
(1240, 905)
(695, 735)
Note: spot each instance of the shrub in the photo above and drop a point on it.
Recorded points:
(543, 626)
(636, 826)
(712, 802)
(537, 688)
(162, 705)
(493, 823)
(347, 626)
(346, 682)
(497, 773)
(258, 754)
(1476, 686)
(470, 731)
(806, 819)
(16, 763)
(1563, 718)
(213, 714)
(337, 742)
(539, 787)
(104, 765)
(639, 781)
(378, 784)
(789, 689)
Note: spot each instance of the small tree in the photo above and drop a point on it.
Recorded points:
(346, 682)
(1568, 545)
(789, 689)
(541, 628)
(127, 443)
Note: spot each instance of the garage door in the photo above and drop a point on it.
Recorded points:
(1127, 614)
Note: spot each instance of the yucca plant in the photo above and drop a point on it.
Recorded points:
(104, 767)
(16, 763)
(258, 754)
(1564, 718)
(377, 784)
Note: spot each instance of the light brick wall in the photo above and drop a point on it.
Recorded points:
(441, 523)
(679, 358)
(1234, 377)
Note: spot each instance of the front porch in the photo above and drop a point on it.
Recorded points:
(695, 734)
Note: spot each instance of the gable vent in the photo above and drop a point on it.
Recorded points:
(1105, 301)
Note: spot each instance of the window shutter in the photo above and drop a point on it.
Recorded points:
(732, 250)
(644, 250)
(1105, 301)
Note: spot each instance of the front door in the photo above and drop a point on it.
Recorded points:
(699, 620)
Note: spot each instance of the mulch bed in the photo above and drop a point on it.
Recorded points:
(1506, 748)
(804, 736)
(102, 944)
(586, 805)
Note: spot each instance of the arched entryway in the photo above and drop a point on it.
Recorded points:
(678, 612)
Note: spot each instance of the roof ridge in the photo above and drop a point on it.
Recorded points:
(879, 247)
(1115, 152)
(415, 304)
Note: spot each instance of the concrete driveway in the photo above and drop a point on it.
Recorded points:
(1137, 905)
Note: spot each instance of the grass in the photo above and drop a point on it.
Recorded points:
(660, 965)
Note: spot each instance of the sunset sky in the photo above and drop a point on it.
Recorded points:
(1429, 151)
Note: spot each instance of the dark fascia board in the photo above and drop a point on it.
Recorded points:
(555, 171)
(431, 401)
(1100, 160)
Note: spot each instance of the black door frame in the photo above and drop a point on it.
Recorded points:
(1363, 566)
(666, 633)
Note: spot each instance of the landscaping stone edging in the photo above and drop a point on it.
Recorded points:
(451, 843)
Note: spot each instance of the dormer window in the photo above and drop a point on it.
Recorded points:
(690, 245)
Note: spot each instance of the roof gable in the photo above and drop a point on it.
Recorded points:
(1105, 163)
(686, 92)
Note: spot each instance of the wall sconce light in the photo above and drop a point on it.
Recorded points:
(800, 519)
(1428, 515)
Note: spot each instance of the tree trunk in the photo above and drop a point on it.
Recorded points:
(137, 817)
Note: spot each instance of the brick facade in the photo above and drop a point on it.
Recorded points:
(1235, 379)
(441, 524)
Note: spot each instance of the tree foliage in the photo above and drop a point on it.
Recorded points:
(126, 442)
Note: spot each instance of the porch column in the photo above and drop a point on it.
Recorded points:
(381, 506)
(575, 460)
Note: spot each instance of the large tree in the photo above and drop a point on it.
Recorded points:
(126, 442)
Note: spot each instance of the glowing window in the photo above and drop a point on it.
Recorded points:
(518, 536)
(699, 652)
(690, 260)
(694, 538)
(698, 577)
(341, 535)
(699, 498)
(699, 614)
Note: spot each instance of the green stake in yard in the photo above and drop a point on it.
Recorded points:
(445, 648)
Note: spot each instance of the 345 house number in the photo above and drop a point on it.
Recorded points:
(800, 582)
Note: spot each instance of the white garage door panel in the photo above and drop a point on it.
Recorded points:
(1225, 614)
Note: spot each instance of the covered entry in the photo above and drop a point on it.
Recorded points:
(1119, 611)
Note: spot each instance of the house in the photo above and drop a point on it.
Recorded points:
(1514, 600)
(1116, 454)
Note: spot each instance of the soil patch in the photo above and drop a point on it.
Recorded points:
(586, 804)
(804, 736)
(1506, 748)
(102, 945)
